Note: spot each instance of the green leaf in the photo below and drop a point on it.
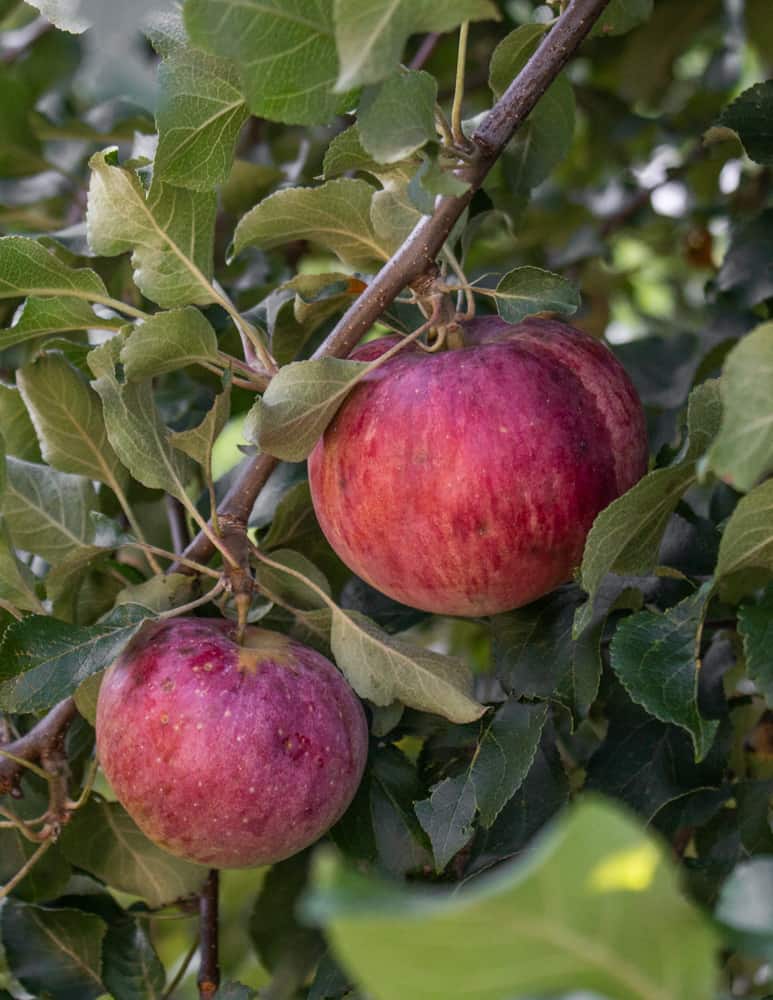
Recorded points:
(370, 35)
(47, 511)
(447, 817)
(64, 14)
(197, 442)
(536, 656)
(288, 589)
(28, 268)
(501, 762)
(528, 290)
(746, 551)
(743, 449)
(17, 430)
(505, 755)
(336, 215)
(131, 969)
(160, 593)
(397, 117)
(68, 419)
(294, 523)
(170, 232)
(511, 55)
(347, 153)
(55, 952)
(745, 911)
(286, 947)
(749, 116)
(51, 872)
(285, 52)
(657, 658)
(622, 15)
(102, 839)
(199, 115)
(235, 991)
(21, 153)
(44, 660)
(755, 626)
(626, 535)
(547, 923)
(298, 405)
(17, 584)
(317, 298)
(44, 316)
(384, 669)
(168, 341)
(134, 426)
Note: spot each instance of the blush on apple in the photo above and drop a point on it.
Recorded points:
(224, 754)
(465, 482)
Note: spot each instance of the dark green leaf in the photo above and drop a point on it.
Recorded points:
(529, 290)
(755, 625)
(44, 660)
(746, 550)
(622, 15)
(131, 969)
(57, 952)
(17, 430)
(447, 818)
(749, 116)
(103, 840)
(625, 537)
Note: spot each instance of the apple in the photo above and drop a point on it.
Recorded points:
(465, 482)
(229, 755)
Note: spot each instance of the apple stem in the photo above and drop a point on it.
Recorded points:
(209, 969)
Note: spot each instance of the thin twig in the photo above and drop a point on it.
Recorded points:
(425, 50)
(456, 110)
(180, 974)
(209, 969)
(178, 526)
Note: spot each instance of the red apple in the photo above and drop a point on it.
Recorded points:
(465, 482)
(229, 755)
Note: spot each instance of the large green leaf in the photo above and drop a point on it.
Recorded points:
(549, 923)
(335, 215)
(298, 405)
(134, 426)
(54, 951)
(28, 268)
(17, 430)
(48, 511)
(58, 314)
(131, 969)
(743, 449)
(104, 840)
(657, 658)
(284, 49)
(169, 231)
(199, 114)
(371, 34)
(626, 535)
(44, 660)
(384, 669)
(67, 414)
(168, 341)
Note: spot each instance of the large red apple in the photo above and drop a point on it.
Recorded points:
(465, 482)
(224, 754)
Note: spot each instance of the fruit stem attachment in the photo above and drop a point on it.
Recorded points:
(209, 969)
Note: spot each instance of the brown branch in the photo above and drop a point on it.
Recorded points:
(178, 526)
(209, 969)
(44, 743)
(414, 263)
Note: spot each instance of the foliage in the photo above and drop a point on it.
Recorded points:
(153, 268)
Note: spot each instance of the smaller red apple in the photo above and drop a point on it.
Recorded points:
(229, 755)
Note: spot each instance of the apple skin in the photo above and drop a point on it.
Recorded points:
(225, 755)
(465, 482)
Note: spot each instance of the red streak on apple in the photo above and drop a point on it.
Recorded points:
(465, 482)
(226, 755)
